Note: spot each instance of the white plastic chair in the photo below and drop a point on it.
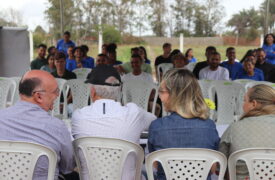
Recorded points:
(254, 83)
(138, 92)
(18, 160)
(7, 86)
(62, 90)
(105, 157)
(227, 95)
(16, 96)
(80, 92)
(191, 66)
(259, 161)
(186, 163)
(82, 73)
(162, 69)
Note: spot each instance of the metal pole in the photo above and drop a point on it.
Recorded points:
(266, 16)
(61, 18)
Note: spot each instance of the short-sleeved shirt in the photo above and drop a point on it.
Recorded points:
(258, 75)
(71, 64)
(89, 62)
(270, 53)
(38, 63)
(67, 75)
(220, 74)
(28, 122)
(161, 59)
(232, 68)
(63, 46)
(144, 67)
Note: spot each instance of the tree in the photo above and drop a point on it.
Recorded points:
(53, 15)
(11, 17)
(157, 15)
(246, 23)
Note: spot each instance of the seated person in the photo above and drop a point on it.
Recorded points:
(249, 72)
(143, 54)
(70, 60)
(256, 126)
(261, 64)
(29, 120)
(107, 118)
(61, 71)
(112, 55)
(137, 73)
(101, 59)
(40, 60)
(78, 61)
(49, 67)
(231, 64)
(52, 50)
(189, 56)
(214, 71)
(87, 59)
(188, 126)
(200, 65)
(127, 68)
(179, 61)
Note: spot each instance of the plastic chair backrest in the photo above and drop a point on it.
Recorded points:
(80, 93)
(162, 69)
(186, 163)
(227, 95)
(259, 161)
(106, 156)
(191, 66)
(138, 92)
(7, 86)
(18, 160)
(16, 96)
(62, 90)
(82, 73)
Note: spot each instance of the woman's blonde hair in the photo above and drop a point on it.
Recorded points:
(264, 95)
(185, 96)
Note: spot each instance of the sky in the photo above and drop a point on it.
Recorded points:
(33, 10)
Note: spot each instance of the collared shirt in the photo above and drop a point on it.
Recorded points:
(30, 123)
(174, 131)
(220, 73)
(107, 118)
(38, 63)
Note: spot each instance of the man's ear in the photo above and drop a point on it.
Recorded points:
(93, 92)
(37, 97)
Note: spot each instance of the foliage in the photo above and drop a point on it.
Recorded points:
(246, 23)
(111, 35)
(156, 16)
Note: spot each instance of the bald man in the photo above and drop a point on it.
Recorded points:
(28, 120)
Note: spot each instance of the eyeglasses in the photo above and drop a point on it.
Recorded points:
(56, 91)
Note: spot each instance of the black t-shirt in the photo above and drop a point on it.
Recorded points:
(266, 68)
(67, 75)
(199, 66)
(161, 59)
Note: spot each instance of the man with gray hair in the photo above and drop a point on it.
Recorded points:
(107, 118)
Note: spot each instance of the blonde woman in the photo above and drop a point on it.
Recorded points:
(255, 128)
(188, 125)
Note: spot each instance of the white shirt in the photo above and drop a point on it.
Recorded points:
(107, 118)
(220, 74)
(236, 60)
(143, 76)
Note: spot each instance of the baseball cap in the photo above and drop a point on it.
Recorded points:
(101, 73)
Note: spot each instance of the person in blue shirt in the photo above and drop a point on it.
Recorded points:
(112, 55)
(143, 54)
(70, 60)
(231, 65)
(65, 43)
(249, 71)
(188, 126)
(269, 48)
(87, 59)
(189, 56)
(78, 61)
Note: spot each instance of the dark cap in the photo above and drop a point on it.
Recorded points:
(101, 73)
